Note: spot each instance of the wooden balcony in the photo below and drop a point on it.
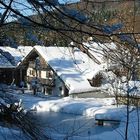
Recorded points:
(48, 81)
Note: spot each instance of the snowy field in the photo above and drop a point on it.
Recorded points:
(76, 117)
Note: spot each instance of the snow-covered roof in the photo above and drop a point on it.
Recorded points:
(4, 63)
(72, 65)
(99, 50)
(10, 57)
(24, 50)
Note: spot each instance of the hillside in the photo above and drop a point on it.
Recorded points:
(91, 13)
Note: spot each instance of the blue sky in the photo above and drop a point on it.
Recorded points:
(26, 11)
(63, 1)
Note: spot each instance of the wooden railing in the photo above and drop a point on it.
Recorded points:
(48, 81)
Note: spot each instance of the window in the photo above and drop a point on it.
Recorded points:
(96, 81)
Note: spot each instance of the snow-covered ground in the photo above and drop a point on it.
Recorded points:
(89, 108)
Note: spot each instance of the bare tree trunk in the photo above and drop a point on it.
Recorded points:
(127, 118)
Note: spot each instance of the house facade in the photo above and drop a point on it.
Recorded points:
(39, 72)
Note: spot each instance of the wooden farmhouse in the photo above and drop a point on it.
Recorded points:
(63, 71)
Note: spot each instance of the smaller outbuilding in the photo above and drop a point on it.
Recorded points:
(9, 59)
